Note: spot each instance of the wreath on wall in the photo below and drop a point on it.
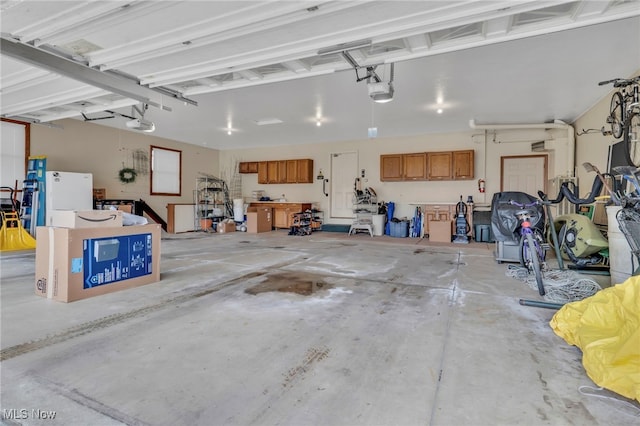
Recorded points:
(127, 175)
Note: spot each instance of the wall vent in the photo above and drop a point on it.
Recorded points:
(538, 147)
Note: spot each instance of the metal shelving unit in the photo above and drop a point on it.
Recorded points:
(211, 198)
(365, 205)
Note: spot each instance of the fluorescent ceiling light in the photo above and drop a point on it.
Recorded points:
(266, 121)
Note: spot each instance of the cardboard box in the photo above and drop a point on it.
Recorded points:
(440, 231)
(85, 218)
(259, 220)
(127, 208)
(224, 227)
(99, 194)
(74, 264)
(600, 213)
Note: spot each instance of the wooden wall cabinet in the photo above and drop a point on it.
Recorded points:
(263, 172)
(285, 171)
(282, 172)
(440, 165)
(445, 165)
(292, 171)
(305, 171)
(463, 162)
(414, 166)
(248, 167)
(272, 172)
(391, 167)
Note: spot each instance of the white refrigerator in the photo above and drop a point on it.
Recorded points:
(68, 191)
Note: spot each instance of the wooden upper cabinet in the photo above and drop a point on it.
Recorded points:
(272, 172)
(463, 165)
(263, 172)
(440, 165)
(391, 167)
(304, 171)
(282, 171)
(285, 171)
(292, 171)
(248, 167)
(415, 166)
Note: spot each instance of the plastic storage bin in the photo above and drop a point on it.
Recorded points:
(483, 233)
(399, 229)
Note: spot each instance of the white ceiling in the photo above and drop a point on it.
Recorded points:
(495, 62)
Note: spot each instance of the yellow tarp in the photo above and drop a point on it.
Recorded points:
(606, 327)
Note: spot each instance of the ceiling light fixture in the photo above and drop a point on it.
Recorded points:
(267, 121)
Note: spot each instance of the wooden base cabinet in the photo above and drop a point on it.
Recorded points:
(283, 213)
(445, 212)
(181, 218)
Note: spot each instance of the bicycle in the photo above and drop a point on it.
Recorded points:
(532, 244)
(624, 116)
(621, 100)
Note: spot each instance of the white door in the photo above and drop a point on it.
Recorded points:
(344, 170)
(526, 174)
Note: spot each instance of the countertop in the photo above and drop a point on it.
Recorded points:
(281, 202)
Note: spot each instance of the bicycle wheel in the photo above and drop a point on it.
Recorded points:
(616, 111)
(632, 138)
(532, 251)
(525, 260)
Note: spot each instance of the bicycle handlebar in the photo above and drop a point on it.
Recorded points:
(522, 205)
(621, 82)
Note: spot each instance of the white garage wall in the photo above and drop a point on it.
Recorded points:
(91, 148)
(487, 166)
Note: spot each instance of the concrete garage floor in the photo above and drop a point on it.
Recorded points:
(395, 332)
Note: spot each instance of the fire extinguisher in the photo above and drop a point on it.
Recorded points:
(481, 185)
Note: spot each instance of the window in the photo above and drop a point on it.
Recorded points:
(166, 171)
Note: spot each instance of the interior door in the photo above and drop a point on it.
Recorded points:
(344, 170)
(526, 174)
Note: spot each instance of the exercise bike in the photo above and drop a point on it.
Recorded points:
(576, 238)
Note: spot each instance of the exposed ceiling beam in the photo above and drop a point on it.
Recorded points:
(112, 83)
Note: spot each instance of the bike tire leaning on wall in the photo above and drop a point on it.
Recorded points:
(631, 132)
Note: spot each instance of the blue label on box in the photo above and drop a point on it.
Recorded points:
(76, 265)
(112, 259)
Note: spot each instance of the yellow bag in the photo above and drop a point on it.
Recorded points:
(606, 327)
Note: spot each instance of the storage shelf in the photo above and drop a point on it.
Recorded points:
(211, 198)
